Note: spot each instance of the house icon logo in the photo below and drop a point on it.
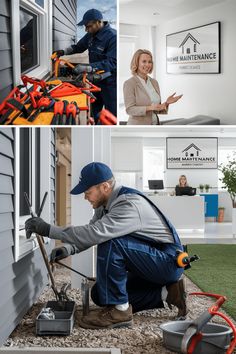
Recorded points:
(191, 150)
(189, 44)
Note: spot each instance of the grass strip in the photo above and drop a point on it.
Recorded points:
(215, 272)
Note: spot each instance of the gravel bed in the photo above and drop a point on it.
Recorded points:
(144, 337)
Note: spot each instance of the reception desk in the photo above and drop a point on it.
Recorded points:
(184, 212)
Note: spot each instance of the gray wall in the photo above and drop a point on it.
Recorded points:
(64, 23)
(22, 282)
(6, 78)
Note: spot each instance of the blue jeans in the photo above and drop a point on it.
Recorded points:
(133, 270)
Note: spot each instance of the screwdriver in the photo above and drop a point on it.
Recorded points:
(71, 111)
(58, 112)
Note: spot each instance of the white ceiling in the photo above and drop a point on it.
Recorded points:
(182, 131)
(154, 12)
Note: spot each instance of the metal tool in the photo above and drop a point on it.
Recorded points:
(61, 296)
(85, 286)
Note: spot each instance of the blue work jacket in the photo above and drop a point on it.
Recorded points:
(101, 48)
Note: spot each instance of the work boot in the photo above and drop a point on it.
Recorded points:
(177, 296)
(108, 317)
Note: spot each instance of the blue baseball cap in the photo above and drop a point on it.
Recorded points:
(90, 15)
(91, 175)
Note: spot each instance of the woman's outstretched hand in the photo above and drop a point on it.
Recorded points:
(172, 99)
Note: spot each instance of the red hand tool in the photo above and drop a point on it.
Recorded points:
(58, 112)
(43, 104)
(71, 113)
(193, 333)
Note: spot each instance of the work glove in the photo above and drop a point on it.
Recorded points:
(38, 226)
(58, 253)
(83, 68)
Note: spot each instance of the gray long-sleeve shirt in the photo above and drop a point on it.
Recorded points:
(126, 214)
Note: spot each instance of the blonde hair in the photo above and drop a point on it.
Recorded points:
(183, 176)
(135, 60)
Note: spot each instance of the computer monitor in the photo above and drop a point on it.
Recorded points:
(185, 191)
(155, 184)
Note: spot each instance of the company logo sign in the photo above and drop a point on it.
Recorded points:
(191, 52)
(192, 153)
(194, 51)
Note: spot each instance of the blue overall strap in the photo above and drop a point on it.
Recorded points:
(127, 190)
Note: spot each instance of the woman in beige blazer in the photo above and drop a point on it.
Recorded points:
(142, 93)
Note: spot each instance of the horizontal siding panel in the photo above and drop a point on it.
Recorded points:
(60, 16)
(6, 222)
(6, 77)
(64, 8)
(6, 185)
(6, 60)
(61, 44)
(5, 8)
(6, 257)
(6, 203)
(52, 172)
(52, 150)
(6, 165)
(23, 299)
(52, 184)
(5, 235)
(6, 239)
(62, 37)
(29, 264)
(5, 91)
(19, 283)
(5, 25)
(52, 197)
(53, 137)
(52, 160)
(6, 146)
(73, 7)
(8, 132)
(62, 28)
(5, 41)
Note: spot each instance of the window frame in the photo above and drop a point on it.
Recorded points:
(162, 149)
(23, 249)
(44, 17)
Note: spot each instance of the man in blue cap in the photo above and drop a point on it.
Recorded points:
(101, 42)
(136, 253)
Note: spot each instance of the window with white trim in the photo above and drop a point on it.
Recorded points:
(31, 37)
(128, 179)
(28, 40)
(153, 164)
(32, 176)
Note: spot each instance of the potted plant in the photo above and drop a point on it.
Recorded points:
(207, 187)
(201, 187)
(229, 182)
(221, 214)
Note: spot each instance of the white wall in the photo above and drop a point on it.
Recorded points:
(88, 145)
(126, 155)
(132, 38)
(208, 94)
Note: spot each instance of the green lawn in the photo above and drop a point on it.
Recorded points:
(215, 272)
